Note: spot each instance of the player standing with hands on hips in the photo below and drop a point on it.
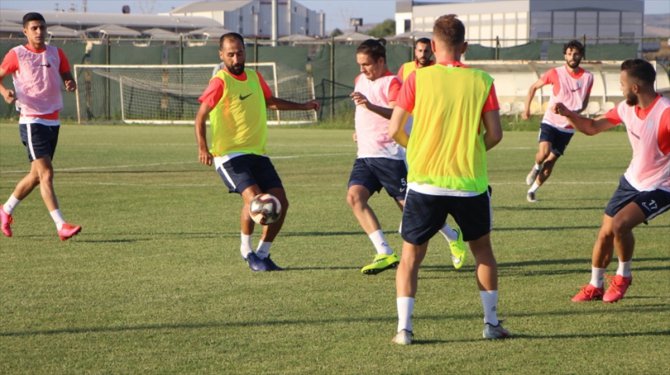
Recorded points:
(235, 103)
(37, 71)
(644, 190)
(572, 87)
(456, 120)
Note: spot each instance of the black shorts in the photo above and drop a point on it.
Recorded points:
(424, 215)
(375, 173)
(652, 203)
(559, 140)
(243, 171)
(40, 140)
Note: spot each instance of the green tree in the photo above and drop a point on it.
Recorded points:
(383, 29)
(336, 32)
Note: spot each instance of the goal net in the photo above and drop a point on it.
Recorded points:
(168, 94)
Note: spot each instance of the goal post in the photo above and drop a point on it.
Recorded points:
(168, 94)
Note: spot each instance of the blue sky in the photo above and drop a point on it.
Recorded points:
(337, 12)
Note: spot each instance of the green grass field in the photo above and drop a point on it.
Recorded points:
(155, 282)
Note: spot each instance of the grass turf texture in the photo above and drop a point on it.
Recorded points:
(155, 282)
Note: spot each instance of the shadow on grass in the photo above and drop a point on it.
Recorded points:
(597, 310)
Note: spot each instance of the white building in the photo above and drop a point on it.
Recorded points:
(254, 17)
(516, 22)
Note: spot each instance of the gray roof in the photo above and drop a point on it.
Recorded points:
(10, 27)
(62, 31)
(113, 30)
(161, 34)
(80, 21)
(353, 37)
(215, 32)
(209, 6)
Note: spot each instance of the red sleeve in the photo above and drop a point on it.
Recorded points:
(407, 93)
(400, 71)
(10, 63)
(64, 63)
(550, 77)
(491, 103)
(394, 89)
(664, 132)
(613, 116)
(267, 92)
(213, 93)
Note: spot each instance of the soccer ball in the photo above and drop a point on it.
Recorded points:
(265, 209)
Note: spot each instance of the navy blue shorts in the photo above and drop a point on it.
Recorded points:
(243, 171)
(652, 203)
(375, 173)
(424, 215)
(559, 140)
(40, 140)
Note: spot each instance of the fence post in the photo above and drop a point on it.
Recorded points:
(332, 78)
(497, 47)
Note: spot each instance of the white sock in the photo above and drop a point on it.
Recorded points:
(245, 245)
(57, 217)
(534, 187)
(377, 238)
(490, 303)
(405, 307)
(11, 204)
(449, 233)
(597, 276)
(538, 167)
(624, 268)
(263, 250)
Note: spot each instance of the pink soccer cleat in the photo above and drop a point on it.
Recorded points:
(68, 230)
(5, 221)
(618, 287)
(588, 293)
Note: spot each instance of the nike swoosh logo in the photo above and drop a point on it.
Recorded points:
(242, 97)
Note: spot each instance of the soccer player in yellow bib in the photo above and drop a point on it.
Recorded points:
(423, 56)
(456, 120)
(235, 103)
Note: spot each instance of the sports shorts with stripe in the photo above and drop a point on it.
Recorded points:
(243, 171)
(652, 203)
(424, 215)
(40, 140)
(375, 173)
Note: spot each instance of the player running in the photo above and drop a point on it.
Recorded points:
(37, 71)
(644, 190)
(235, 103)
(571, 86)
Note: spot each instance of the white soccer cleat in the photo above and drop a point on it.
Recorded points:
(404, 337)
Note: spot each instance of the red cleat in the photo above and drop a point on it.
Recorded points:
(5, 221)
(618, 287)
(588, 293)
(68, 230)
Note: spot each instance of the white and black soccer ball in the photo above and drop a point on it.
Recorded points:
(265, 209)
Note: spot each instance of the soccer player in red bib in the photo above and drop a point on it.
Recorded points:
(37, 71)
(571, 85)
(644, 189)
(456, 120)
(235, 103)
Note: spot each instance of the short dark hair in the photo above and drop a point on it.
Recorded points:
(32, 16)
(422, 41)
(640, 69)
(449, 29)
(574, 44)
(233, 36)
(372, 48)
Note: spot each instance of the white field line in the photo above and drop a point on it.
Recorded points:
(128, 166)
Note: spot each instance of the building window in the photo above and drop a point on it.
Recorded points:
(408, 25)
